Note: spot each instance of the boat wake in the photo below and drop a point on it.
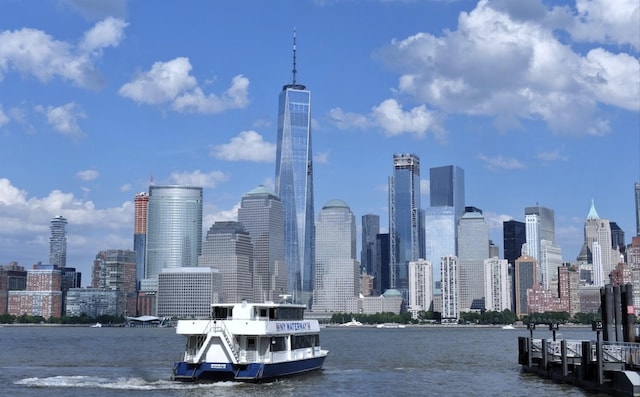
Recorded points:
(94, 382)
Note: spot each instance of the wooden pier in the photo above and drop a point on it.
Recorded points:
(610, 365)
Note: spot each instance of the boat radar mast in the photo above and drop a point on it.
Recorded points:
(294, 85)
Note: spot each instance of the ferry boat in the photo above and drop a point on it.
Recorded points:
(249, 342)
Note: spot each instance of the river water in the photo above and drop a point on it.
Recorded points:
(363, 361)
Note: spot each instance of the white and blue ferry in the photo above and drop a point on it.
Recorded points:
(249, 342)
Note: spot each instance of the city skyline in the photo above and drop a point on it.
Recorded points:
(85, 122)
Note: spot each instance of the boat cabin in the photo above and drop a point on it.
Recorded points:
(260, 312)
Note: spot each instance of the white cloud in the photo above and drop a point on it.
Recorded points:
(425, 187)
(605, 21)
(47, 58)
(3, 117)
(171, 83)
(500, 163)
(126, 187)
(247, 146)
(392, 119)
(64, 119)
(87, 175)
(213, 216)
(197, 178)
(506, 61)
(553, 155)
(106, 33)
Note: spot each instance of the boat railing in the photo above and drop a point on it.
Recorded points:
(221, 328)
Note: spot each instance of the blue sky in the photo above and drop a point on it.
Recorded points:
(538, 101)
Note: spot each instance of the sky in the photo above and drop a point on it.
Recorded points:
(538, 101)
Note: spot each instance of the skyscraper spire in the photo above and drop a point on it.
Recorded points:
(294, 85)
(294, 57)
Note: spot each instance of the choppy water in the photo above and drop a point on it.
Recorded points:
(434, 361)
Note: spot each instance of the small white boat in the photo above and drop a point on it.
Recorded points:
(96, 325)
(390, 325)
(249, 342)
(508, 326)
(352, 323)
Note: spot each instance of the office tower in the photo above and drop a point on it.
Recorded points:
(473, 249)
(174, 228)
(188, 292)
(440, 235)
(550, 260)
(58, 241)
(540, 225)
(447, 188)
(497, 286)
(450, 292)
(140, 203)
(115, 269)
(228, 248)
(12, 278)
(262, 215)
(370, 229)
(514, 236)
(598, 269)
(294, 183)
(381, 281)
(526, 276)
(617, 238)
(337, 278)
(598, 230)
(406, 220)
(637, 191)
(420, 287)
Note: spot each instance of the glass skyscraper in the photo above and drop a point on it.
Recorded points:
(294, 183)
(447, 188)
(262, 216)
(174, 228)
(406, 219)
(370, 229)
(58, 241)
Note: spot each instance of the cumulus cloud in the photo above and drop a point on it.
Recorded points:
(392, 119)
(171, 83)
(87, 175)
(247, 146)
(500, 163)
(198, 178)
(33, 52)
(505, 60)
(64, 119)
(321, 158)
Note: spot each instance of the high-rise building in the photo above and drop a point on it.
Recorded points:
(446, 188)
(43, 296)
(381, 280)
(526, 276)
(228, 248)
(473, 250)
(473, 236)
(497, 291)
(440, 236)
(514, 236)
(58, 241)
(337, 278)
(174, 228)
(140, 203)
(420, 287)
(188, 292)
(598, 230)
(406, 220)
(637, 191)
(540, 225)
(370, 229)
(262, 215)
(294, 183)
(115, 269)
(450, 294)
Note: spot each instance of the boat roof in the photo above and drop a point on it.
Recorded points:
(261, 304)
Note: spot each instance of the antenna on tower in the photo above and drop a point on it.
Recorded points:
(150, 178)
(294, 57)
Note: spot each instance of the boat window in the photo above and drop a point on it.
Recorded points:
(278, 343)
(251, 343)
(263, 312)
(222, 313)
(302, 341)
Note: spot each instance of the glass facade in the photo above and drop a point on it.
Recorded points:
(473, 237)
(174, 228)
(262, 215)
(370, 228)
(58, 241)
(446, 188)
(406, 225)
(440, 230)
(294, 184)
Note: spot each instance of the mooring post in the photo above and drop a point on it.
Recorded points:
(600, 372)
(617, 307)
(544, 354)
(563, 355)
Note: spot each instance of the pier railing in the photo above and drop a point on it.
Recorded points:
(612, 352)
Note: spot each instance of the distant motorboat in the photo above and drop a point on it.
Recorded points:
(508, 326)
(352, 323)
(96, 325)
(390, 325)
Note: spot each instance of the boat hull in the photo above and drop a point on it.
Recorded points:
(253, 372)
